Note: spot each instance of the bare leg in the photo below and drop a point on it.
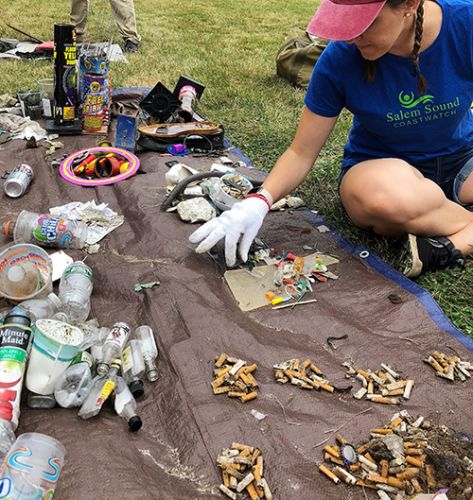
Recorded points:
(79, 10)
(392, 198)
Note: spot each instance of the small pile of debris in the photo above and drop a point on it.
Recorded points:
(305, 375)
(406, 457)
(242, 469)
(383, 386)
(233, 376)
(452, 368)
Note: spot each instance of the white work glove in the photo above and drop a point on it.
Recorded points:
(243, 220)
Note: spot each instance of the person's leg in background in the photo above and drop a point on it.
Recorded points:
(124, 14)
(392, 198)
(79, 11)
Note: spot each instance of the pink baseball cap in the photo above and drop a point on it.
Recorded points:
(344, 19)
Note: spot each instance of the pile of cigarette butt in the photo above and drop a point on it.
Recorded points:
(384, 386)
(449, 367)
(234, 378)
(407, 457)
(242, 469)
(305, 375)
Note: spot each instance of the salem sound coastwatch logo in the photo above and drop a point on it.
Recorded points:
(420, 110)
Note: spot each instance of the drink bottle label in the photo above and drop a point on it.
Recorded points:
(127, 359)
(107, 389)
(78, 269)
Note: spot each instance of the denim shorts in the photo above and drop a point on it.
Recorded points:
(450, 172)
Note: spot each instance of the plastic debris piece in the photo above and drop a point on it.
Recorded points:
(323, 229)
(196, 210)
(258, 415)
(140, 286)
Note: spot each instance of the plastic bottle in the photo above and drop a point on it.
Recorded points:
(133, 367)
(75, 289)
(125, 405)
(46, 230)
(41, 308)
(149, 350)
(113, 346)
(18, 180)
(15, 338)
(101, 389)
(75, 383)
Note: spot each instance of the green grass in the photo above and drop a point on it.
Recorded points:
(230, 46)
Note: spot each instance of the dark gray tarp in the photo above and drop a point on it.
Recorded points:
(195, 318)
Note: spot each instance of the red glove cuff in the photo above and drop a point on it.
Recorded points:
(261, 197)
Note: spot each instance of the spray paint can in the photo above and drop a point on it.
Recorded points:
(18, 181)
(65, 74)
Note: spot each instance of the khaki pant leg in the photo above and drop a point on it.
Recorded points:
(79, 10)
(124, 14)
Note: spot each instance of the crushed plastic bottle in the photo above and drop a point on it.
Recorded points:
(149, 350)
(41, 308)
(75, 383)
(46, 230)
(101, 389)
(125, 405)
(75, 289)
(40, 401)
(133, 367)
(113, 346)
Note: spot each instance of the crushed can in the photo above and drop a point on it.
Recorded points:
(18, 181)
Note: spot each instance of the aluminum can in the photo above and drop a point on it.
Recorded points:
(18, 181)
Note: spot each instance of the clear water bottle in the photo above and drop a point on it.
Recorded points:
(125, 405)
(101, 389)
(75, 289)
(75, 383)
(113, 346)
(133, 367)
(42, 308)
(149, 350)
(46, 230)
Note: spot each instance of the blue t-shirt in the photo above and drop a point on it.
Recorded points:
(390, 118)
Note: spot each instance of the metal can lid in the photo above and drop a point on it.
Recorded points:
(349, 454)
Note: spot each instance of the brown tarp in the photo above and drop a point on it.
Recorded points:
(195, 318)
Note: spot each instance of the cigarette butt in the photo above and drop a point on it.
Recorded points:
(306, 364)
(414, 451)
(258, 488)
(376, 478)
(250, 369)
(414, 461)
(385, 401)
(367, 462)
(227, 492)
(259, 464)
(220, 360)
(395, 423)
(389, 370)
(397, 469)
(345, 476)
(370, 387)
(364, 374)
(241, 447)
(332, 451)
(365, 485)
(416, 484)
(408, 389)
(397, 483)
(395, 392)
(231, 472)
(429, 473)
(370, 458)
(223, 371)
(235, 394)
(222, 389)
(233, 482)
(363, 448)
(251, 490)
(360, 393)
(384, 468)
(362, 379)
(332, 459)
(252, 381)
(434, 364)
(340, 439)
(249, 397)
(329, 474)
(326, 387)
(225, 478)
(382, 495)
(255, 455)
(408, 473)
(245, 453)
(256, 473)
(382, 431)
(396, 385)
(245, 482)
(278, 374)
(267, 492)
(218, 382)
(395, 462)
(354, 467)
(237, 366)
(240, 385)
(315, 369)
